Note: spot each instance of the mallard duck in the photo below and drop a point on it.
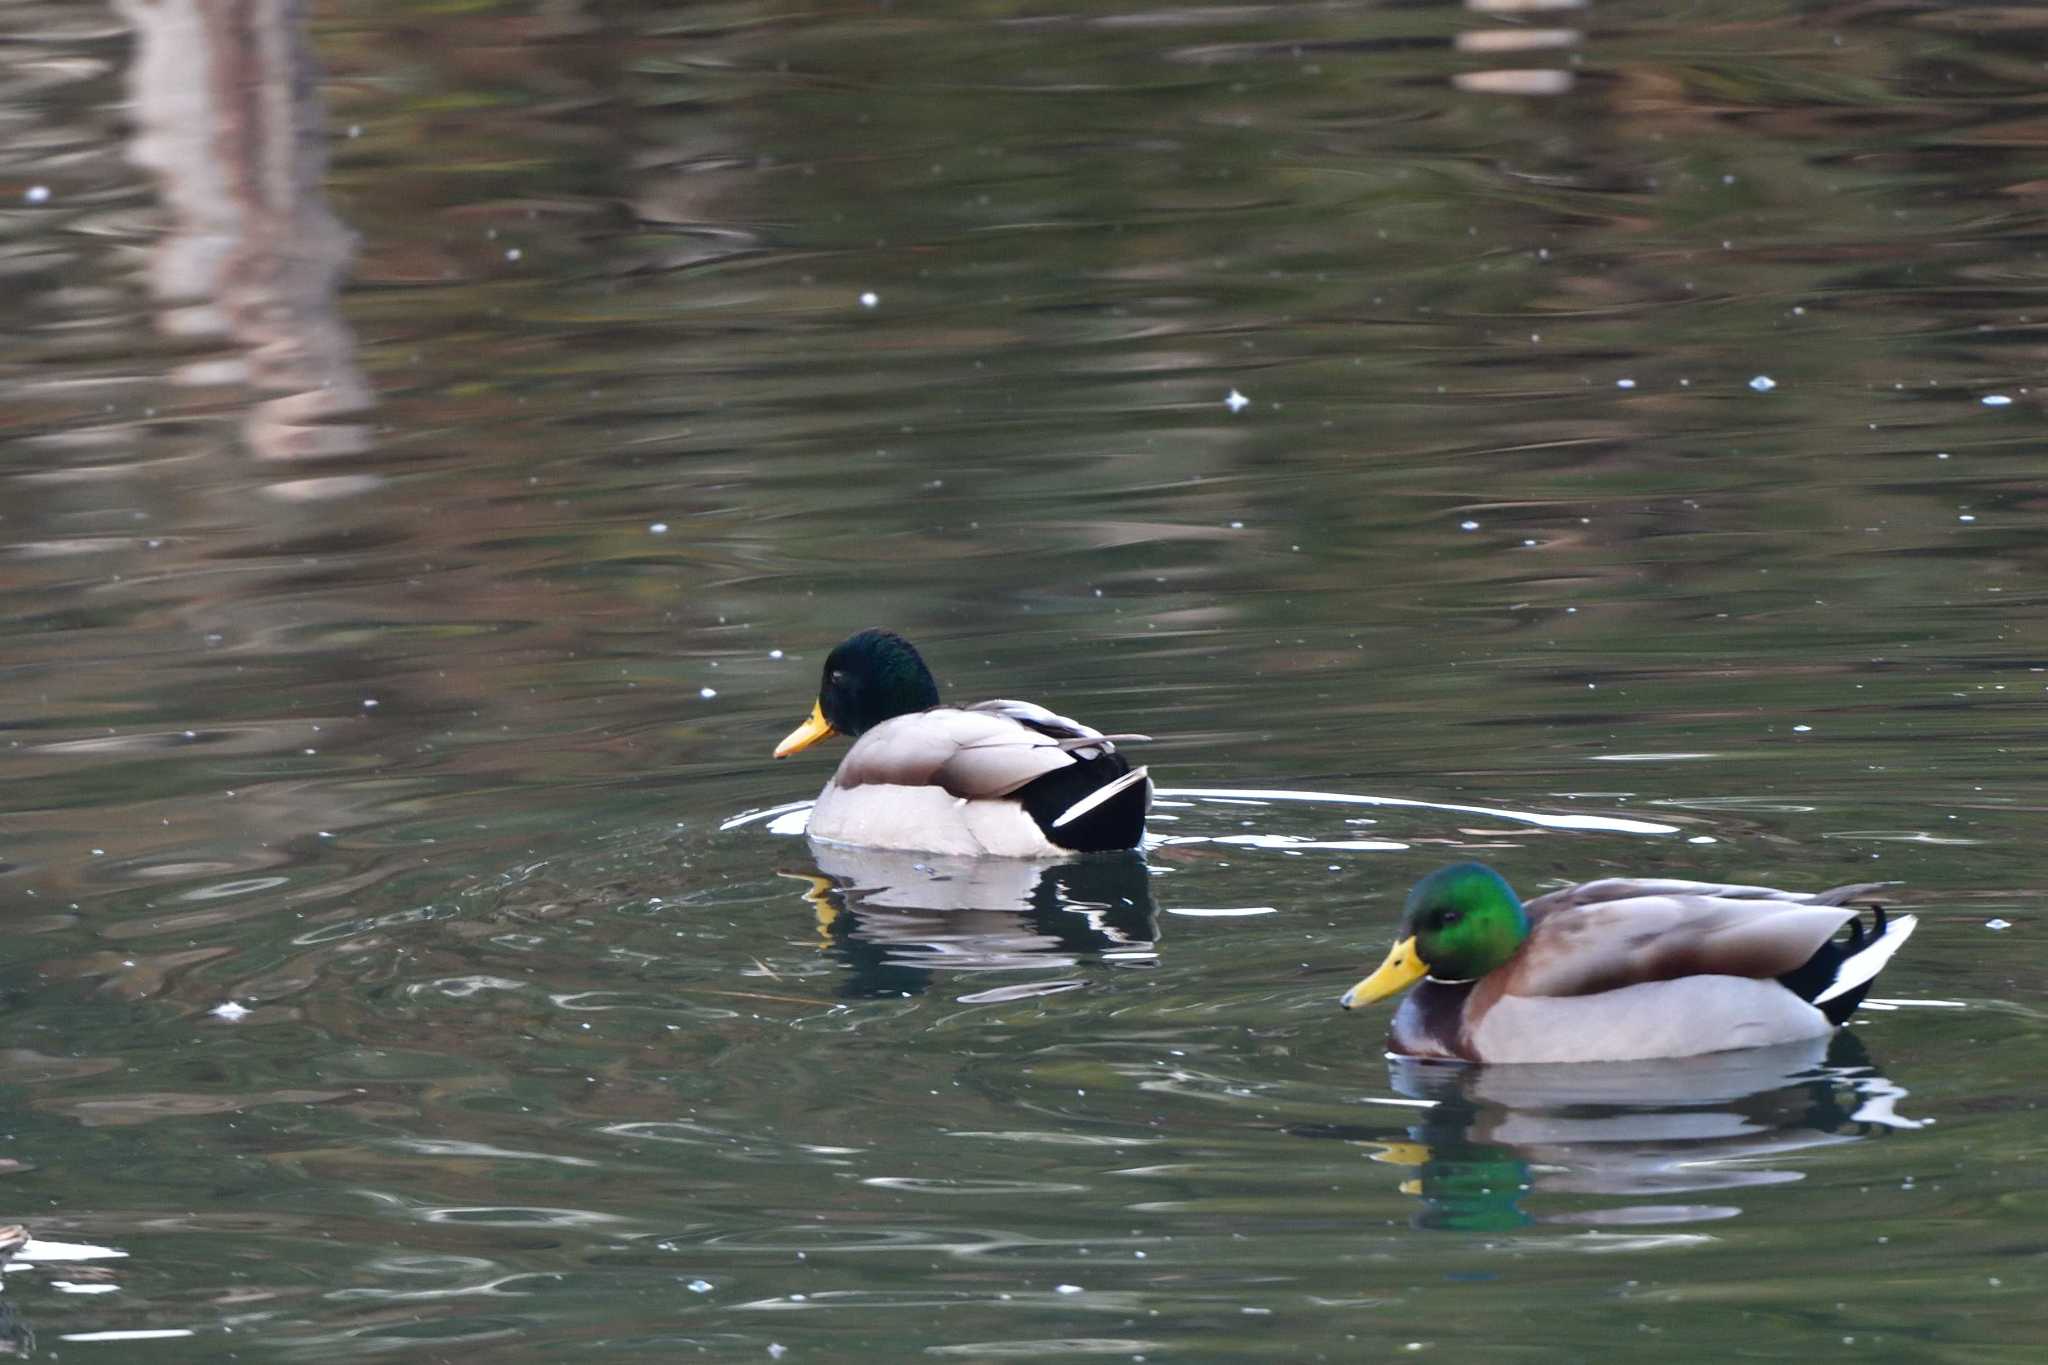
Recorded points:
(1622, 970)
(999, 778)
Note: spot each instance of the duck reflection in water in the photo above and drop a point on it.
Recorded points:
(1496, 1136)
(899, 920)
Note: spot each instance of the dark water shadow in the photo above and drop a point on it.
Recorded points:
(901, 920)
(1494, 1139)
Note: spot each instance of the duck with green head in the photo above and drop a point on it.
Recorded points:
(1622, 969)
(998, 778)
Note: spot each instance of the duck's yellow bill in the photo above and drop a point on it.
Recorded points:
(1402, 969)
(807, 734)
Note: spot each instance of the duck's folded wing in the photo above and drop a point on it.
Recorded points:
(1082, 741)
(1635, 888)
(1664, 935)
(971, 753)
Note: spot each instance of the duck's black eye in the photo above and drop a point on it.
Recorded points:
(1448, 918)
(838, 675)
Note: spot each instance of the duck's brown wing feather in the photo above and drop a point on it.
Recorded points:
(1630, 888)
(1601, 936)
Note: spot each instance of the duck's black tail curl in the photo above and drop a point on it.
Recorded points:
(1069, 805)
(1837, 977)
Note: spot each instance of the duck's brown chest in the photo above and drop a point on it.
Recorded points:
(1431, 1022)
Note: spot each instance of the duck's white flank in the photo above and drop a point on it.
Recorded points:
(927, 820)
(1650, 1020)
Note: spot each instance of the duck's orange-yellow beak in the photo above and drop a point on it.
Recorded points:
(807, 734)
(1402, 969)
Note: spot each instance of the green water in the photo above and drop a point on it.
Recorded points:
(440, 442)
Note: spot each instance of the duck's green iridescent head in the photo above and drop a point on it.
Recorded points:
(871, 677)
(1460, 923)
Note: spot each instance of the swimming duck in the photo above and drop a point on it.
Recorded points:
(999, 778)
(1622, 970)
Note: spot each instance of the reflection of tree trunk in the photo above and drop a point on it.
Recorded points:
(228, 121)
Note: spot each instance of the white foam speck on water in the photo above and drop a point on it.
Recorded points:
(1468, 526)
(1965, 517)
(37, 194)
(513, 253)
(870, 299)
(1763, 383)
(73, 1287)
(1066, 1289)
(1236, 401)
(1221, 912)
(1624, 383)
(1998, 924)
(699, 1286)
(707, 693)
(1703, 839)
(1802, 729)
(229, 1011)
(133, 1334)
(1996, 400)
(659, 528)
(774, 653)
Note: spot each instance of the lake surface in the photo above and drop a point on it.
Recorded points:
(440, 442)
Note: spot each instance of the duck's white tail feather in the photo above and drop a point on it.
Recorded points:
(1100, 795)
(1869, 960)
(1086, 741)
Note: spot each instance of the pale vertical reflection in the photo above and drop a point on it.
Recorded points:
(1518, 42)
(228, 122)
(1523, 6)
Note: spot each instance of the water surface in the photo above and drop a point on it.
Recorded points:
(441, 443)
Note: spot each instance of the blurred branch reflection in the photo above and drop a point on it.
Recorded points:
(228, 122)
(1522, 41)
